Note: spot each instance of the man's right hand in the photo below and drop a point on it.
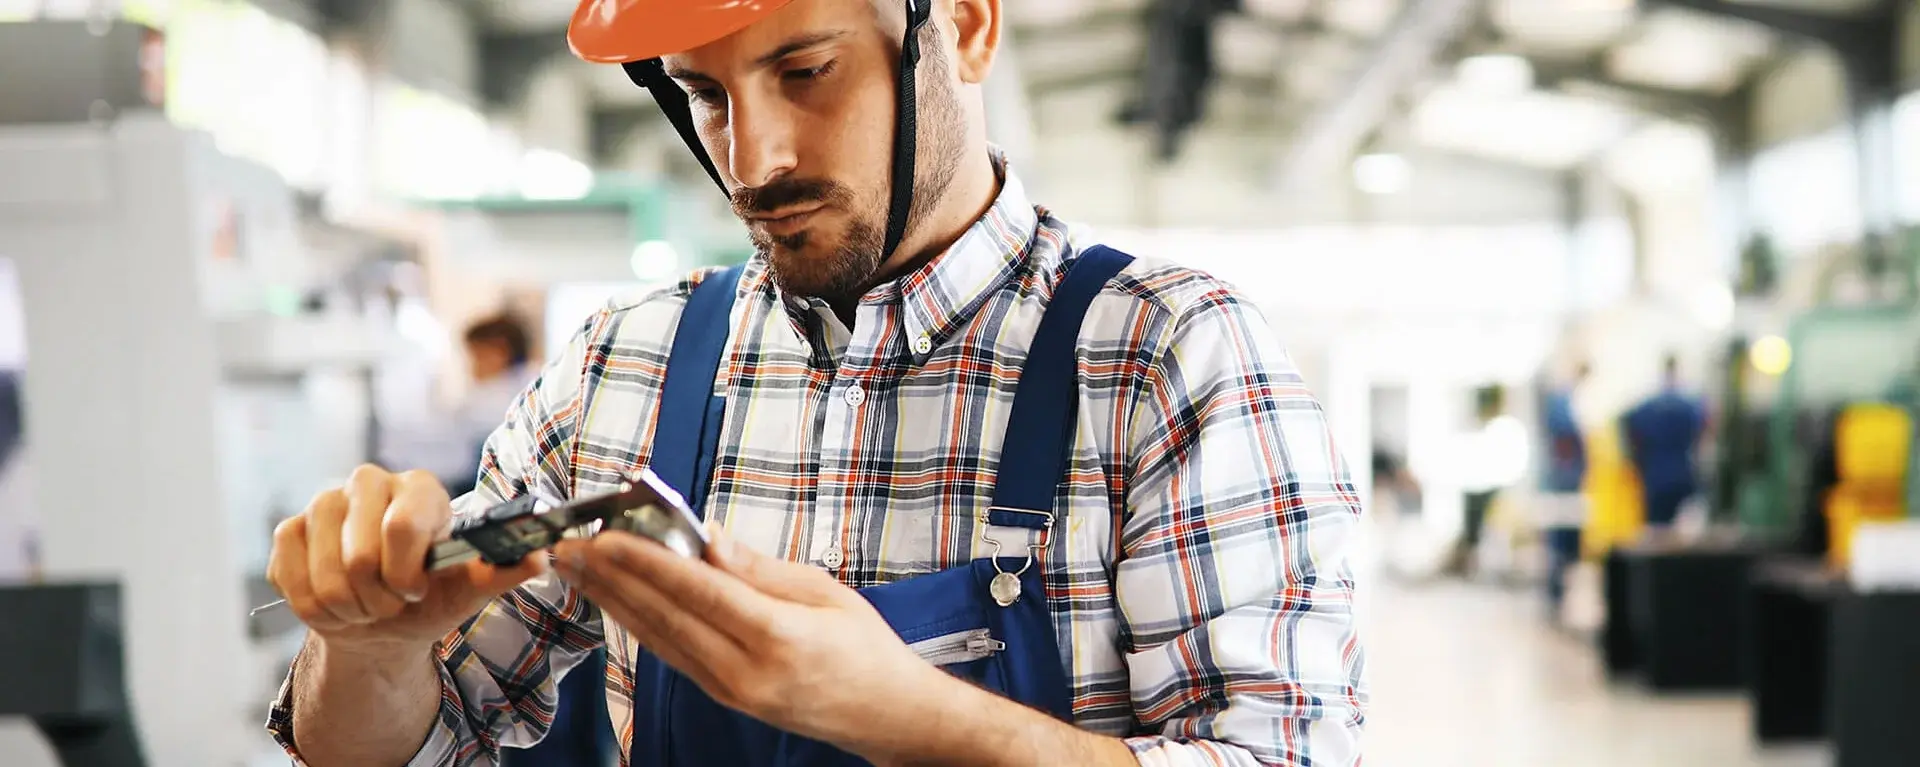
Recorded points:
(352, 566)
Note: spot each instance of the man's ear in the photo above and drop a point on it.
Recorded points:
(976, 35)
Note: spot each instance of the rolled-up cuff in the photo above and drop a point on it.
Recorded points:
(442, 747)
(1157, 751)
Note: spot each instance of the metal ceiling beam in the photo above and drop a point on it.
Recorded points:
(1093, 77)
(1868, 46)
(508, 62)
(611, 128)
(1336, 128)
(1868, 43)
(1727, 115)
(1108, 21)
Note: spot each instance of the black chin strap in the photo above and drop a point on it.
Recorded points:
(652, 76)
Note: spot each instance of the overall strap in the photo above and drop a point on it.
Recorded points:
(1033, 457)
(685, 420)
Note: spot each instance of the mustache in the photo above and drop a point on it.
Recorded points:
(788, 192)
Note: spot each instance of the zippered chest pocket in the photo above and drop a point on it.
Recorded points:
(958, 647)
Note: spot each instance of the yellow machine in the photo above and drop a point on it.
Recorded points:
(1871, 444)
(1616, 511)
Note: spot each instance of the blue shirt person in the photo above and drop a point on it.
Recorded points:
(1662, 434)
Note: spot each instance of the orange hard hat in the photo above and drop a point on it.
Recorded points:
(622, 31)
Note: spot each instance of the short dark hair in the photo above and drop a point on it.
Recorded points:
(507, 331)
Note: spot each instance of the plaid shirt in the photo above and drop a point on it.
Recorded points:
(1198, 582)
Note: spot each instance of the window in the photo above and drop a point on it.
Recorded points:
(1806, 193)
(429, 146)
(257, 83)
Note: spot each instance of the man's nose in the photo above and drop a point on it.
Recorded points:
(762, 147)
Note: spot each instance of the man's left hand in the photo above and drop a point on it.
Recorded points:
(779, 641)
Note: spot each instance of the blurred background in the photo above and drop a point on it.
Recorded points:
(1612, 306)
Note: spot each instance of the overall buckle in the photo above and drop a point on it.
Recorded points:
(1005, 586)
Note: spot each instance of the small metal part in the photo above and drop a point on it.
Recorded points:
(1005, 588)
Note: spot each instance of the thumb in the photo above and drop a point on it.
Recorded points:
(773, 576)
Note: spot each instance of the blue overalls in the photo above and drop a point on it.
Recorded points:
(970, 620)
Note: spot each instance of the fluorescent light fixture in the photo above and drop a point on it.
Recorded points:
(1562, 26)
(1382, 173)
(654, 260)
(549, 175)
(1495, 74)
(1538, 128)
(1688, 51)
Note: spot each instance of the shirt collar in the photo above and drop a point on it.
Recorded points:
(944, 294)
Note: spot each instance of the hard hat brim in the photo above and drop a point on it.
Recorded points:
(621, 31)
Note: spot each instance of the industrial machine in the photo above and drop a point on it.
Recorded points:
(183, 389)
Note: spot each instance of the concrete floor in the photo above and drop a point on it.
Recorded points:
(1470, 675)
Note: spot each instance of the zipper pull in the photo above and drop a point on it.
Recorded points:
(984, 645)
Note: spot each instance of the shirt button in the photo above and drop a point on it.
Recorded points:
(923, 344)
(833, 558)
(856, 395)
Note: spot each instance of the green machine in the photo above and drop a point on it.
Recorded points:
(1839, 356)
(632, 216)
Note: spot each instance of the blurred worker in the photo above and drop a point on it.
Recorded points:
(1662, 435)
(1162, 577)
(18, 557)
(1562, 504)
(448, 443)
(1490, 459)
(1391, 474)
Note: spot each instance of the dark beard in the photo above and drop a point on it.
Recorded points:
(853, 267)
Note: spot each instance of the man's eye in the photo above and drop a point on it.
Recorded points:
(707, 95)
(809, 73)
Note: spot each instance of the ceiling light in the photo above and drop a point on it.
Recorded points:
(1771, 355)
(1537, 128)
(1382, 173)
(654, 260)
(1495, 74)
(550, 175)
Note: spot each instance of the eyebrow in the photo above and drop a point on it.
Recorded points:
(788, 48)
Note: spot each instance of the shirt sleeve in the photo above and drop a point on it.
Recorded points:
(1233, 584)
(500, 670)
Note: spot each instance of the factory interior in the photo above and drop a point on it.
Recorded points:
(245, 246)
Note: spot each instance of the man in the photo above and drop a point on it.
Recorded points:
(1563, 507)
(1662, 434)
(1491, 458)
(1176, 593)
(499, 359)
